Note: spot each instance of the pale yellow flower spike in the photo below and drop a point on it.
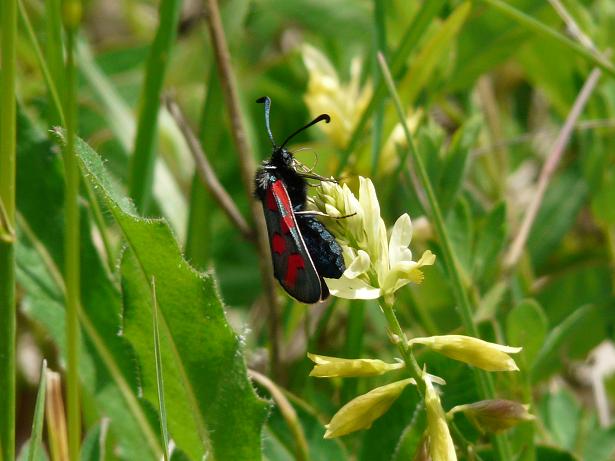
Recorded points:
(441, 447)
(473, 351)
(376, 266)
(334, 367)
(345, 102)
(362, 411)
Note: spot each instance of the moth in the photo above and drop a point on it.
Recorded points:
(303, 251)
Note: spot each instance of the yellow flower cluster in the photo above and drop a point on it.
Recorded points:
(376, 266)
(345, 102)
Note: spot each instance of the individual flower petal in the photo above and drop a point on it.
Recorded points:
(405, 272)
(352, 289)
(329, 367)
(358, 266)
(494, 415)
(473, 351)
(401, 235)
(362, 411)
(441, 447)
(371, 215)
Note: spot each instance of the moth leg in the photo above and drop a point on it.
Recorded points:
(320, 213)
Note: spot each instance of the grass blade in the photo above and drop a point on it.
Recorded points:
(39, 414)
(484, 380)
(8, 31)
(159, 378)
(143, 160)
(72, 252)
(538, 27)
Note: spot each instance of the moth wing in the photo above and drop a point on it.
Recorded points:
(292, 264)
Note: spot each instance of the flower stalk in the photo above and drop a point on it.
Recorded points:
(71, 16)
(485, 383)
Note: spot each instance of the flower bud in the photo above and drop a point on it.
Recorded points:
(441, 445)
(473, 351)
(362, 411)
(494, 415)
(330, 367)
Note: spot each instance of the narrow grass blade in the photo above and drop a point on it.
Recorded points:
(72, 251)
(39, 414)
(142, 167)
(159, 377)
(484, 380)
(540, 28)
(8, 77)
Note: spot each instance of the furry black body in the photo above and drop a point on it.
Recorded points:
(276, 178)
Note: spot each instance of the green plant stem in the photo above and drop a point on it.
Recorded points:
(536, 26)
(72, 18)
(56, 113)
(8, 38)
(144, 158)
(380, 43)
(247, 168)
(486, 387)
(53, 54)
(412, 365)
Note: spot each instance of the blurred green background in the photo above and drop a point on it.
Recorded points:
(487, 91)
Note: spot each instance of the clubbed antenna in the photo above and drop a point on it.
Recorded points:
(267, 101)
(320, 118)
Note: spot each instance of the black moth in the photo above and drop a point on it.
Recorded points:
(302, 249)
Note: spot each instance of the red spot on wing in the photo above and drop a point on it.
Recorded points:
(295, 262)
(278, 245)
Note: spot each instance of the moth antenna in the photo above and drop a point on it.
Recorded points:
(267, 101)
(320, 118)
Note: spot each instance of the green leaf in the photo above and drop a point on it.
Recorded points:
(313, 429)
(562, 415)
(412, 436)
(545, 453)
(460, 226)
(527, 327)
(455, 161)
(562, 201)
(489, 303)
(490, 242)
(41, 454)
(137, 328)
(106, 367)
(39, 415)
(432, 54)
(94, 444)
(206, 351)
(600, 445)
(604, 198)
(382, 440)
(543, 362)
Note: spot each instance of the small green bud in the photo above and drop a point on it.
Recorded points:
(494, 415)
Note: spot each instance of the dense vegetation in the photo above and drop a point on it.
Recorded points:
(474, 143)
